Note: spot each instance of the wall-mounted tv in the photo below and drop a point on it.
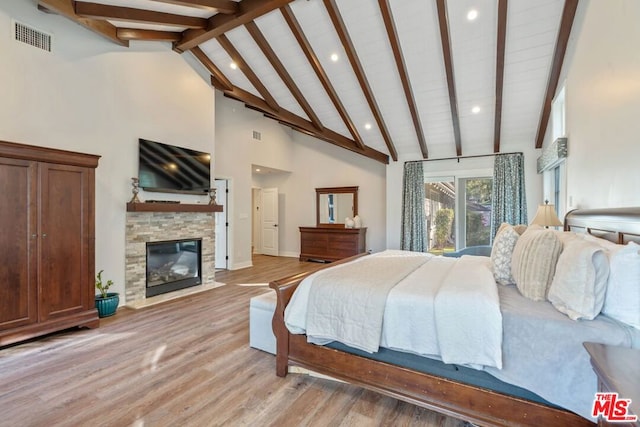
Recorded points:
(170, 169)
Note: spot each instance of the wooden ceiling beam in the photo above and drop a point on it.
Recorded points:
(566, 22)
(217, 84)
(219, 24)
(313, 60)
(221, 6)
(66, 8)
(392, 34)
(248, 72)
(295, 121)
(501, 43)
(148, 35)
(223, 83)
(343, 34)
(277, 65)
(105, 12)
(448, 66)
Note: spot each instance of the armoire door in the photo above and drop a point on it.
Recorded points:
(63, 218)
(18, 243)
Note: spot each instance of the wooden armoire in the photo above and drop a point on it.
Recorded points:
(47, 256)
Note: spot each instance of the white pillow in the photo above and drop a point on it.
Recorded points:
(580, 282)
(533, 262)
(568, 236)
(501, 251)
(622, 300)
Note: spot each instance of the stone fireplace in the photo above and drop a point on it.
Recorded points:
(179, 230)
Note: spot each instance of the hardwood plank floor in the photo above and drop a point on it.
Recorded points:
(186, 362)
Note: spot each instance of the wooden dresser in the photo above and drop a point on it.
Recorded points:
(331, 243)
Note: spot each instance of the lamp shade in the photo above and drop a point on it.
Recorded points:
(546, 216)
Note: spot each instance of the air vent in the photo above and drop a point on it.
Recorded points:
(29, 35)
(257, 136)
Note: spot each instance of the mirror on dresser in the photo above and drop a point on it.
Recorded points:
(334, 204)
(330, 240)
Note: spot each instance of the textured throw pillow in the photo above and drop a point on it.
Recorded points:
(622, 300)
(533, 262)
(501, 251)
(580, 282)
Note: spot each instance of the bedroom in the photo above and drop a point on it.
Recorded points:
(600, 81)
(92, 99)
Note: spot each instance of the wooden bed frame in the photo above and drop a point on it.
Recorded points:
(463, 401)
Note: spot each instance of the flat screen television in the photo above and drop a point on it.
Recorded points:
(171, 169)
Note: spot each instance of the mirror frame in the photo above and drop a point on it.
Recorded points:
(334, 190)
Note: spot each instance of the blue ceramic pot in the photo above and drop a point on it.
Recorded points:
(107, 306)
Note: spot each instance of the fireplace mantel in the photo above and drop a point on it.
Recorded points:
(172, 207)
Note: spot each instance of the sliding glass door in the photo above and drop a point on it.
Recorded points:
(477, 209)
(457, 212)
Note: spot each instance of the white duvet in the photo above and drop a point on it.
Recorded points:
(446, 307)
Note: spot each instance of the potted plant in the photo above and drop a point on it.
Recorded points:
(106, 302)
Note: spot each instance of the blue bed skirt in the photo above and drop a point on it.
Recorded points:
(457, 373)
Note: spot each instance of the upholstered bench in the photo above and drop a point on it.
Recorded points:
(261, 310)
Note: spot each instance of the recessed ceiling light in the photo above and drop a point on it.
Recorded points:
(367, 126)
(233, 65)
(257, 169)
(475, 110)
(472, 14)
(334, 57)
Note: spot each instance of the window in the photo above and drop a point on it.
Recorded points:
(458, 212)
(554, 180)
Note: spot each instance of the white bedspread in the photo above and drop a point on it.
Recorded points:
(347, 304)
(454, 300)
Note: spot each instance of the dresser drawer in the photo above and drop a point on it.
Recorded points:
(331, 244)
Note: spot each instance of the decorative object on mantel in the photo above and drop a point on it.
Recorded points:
(212, 197)
(546, 216)
(106, 302)
(552, 155)
(349, 223)
(136, 188)
(357, 221)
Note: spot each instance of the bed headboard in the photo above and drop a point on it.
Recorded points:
(618, 225)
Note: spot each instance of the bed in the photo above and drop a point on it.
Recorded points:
(486, 395)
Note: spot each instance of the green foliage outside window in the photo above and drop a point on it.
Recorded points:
(444, 220)
(477, 232)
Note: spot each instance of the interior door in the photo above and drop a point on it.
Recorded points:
(270, 221)
(222, 224)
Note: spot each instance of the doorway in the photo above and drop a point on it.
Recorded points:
(265, 233)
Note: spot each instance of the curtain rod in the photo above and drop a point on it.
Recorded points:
(462, 157)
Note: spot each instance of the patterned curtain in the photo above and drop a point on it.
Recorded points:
(509, 201)
(413, 219)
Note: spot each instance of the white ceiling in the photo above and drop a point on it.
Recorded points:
(532, 28)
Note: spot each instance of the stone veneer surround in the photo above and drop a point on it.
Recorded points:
(143, 227)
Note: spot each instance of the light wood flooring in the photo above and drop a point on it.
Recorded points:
(185, 362)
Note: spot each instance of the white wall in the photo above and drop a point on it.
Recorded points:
(602, 73)
(310, 163)
(92, 96)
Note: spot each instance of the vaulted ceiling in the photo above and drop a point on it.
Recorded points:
(380, 78)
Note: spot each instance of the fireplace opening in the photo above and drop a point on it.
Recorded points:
(173, 265)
